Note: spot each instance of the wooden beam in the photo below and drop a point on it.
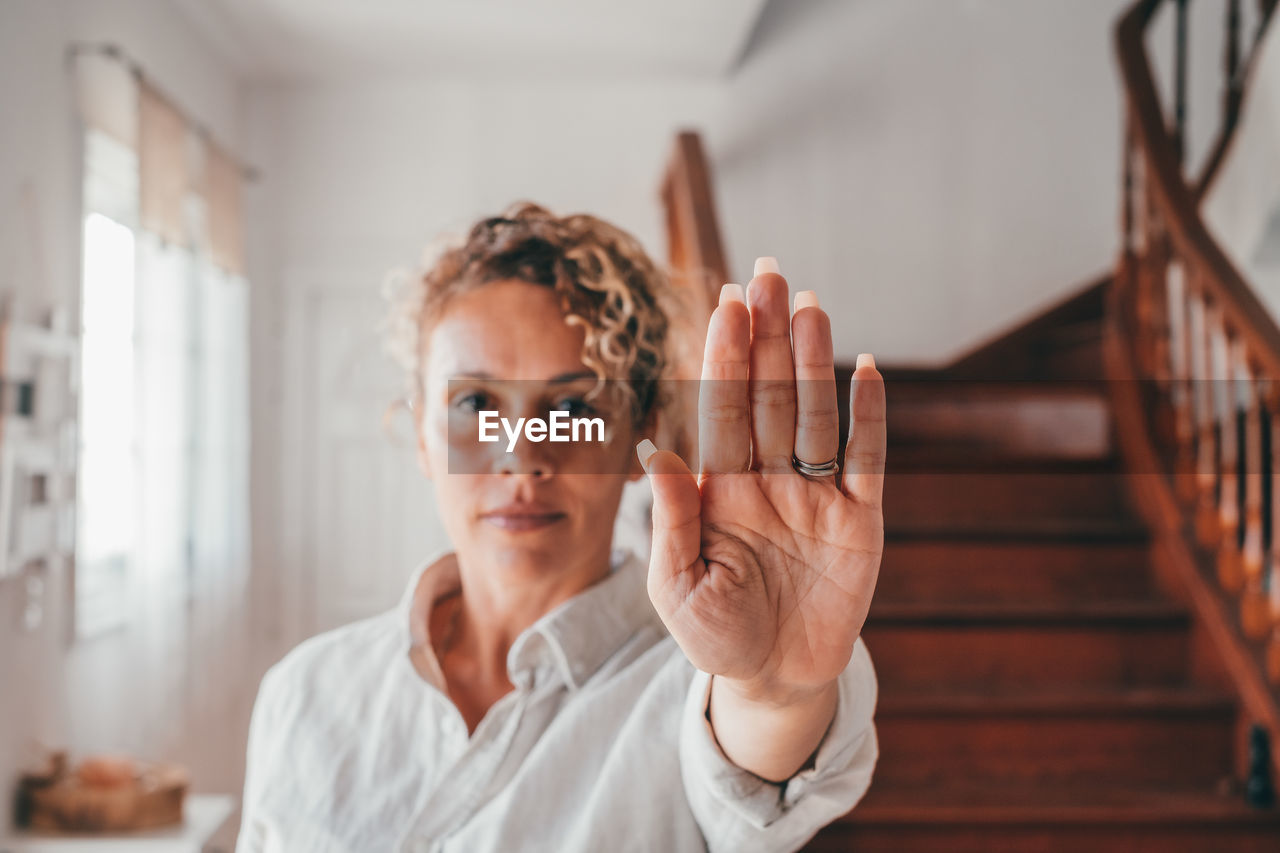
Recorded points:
(694, 247)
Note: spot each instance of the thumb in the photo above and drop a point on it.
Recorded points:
(675, 564)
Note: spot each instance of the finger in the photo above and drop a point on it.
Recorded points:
(864, 455)
(772, 376)
(724, 419)
(675, 563)
(817, 422)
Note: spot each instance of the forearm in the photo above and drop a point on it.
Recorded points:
(770, 735)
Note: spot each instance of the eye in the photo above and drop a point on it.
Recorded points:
(473, 401)
(577, 407)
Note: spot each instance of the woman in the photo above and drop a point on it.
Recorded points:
(536, 690)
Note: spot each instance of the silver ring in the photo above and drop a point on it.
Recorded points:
(826, 469)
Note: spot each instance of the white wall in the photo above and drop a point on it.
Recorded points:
(168, 687)
(38, 163)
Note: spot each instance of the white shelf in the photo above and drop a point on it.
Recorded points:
(204, 815)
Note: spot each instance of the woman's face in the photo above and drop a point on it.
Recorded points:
(505, 348)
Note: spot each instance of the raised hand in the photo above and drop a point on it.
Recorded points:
(764, 575)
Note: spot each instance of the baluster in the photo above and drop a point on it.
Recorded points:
(1139, 256)
(1163, 372)
(1127, 190)
(1130, 277)
(1255, 615)
(1152, 264)
(1231, 65)
(1164, 348)
(1272, 404)
(1158, 252)
(1206, 521)
(1180, 80)
(1145, 315)
(1230, 570)
(1184, 396)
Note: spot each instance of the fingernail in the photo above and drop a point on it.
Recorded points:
(865, 358)
(645, 450)
(806, 299)
(767, 264)
(732, 293)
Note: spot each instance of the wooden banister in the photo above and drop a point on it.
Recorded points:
(695, 251)
(697, 268)
(1190, 342)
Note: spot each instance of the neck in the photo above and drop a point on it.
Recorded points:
(498, 603)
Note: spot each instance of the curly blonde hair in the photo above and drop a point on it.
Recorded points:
(602, 278)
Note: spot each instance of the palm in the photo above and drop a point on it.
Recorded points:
(763, 575)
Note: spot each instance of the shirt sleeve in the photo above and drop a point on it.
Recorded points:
(253, 831)
(737, 810)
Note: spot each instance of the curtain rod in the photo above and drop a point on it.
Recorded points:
(116, 54)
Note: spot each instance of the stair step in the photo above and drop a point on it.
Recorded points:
(1048, 818)
(1140, 613)
(1136, 737)
(1068, 417)
(959, 458)
(1078, 362)
(946, 570)
(914, 385)
(959, 392)
(986, 645)
(1054, 701)
(1076, 333)
(1125, 529)
(951, 497)
(1071, 352)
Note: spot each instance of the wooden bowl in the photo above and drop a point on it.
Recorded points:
(150, 795)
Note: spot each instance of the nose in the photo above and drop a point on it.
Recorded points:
(527, 459)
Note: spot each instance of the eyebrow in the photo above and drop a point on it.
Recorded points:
(555, 380)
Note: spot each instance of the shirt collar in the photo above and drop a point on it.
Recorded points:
(572, 640)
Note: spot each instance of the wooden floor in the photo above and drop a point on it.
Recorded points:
(1036, 689)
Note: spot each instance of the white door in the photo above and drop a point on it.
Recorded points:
(365, 514)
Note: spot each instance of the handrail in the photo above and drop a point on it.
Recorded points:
(697, 267)
(1237, 71)
(1196, 359)
(1177, 201)
(694, 247)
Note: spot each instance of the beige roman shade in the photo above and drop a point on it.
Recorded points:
(190, 189)
(164, 173)
(224, 197)
(107, 92)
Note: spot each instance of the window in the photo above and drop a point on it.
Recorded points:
(106, 510)
(163, 451)
(162, 503)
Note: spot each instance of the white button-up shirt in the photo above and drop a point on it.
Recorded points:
(604, 744)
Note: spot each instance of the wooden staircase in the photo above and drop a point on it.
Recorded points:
(1066, 661)
(1038, 690)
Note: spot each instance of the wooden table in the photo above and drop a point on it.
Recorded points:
(204, 815)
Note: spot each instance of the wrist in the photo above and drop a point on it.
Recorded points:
(775, 694)
(775, 732)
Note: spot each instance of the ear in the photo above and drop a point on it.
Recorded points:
(417, 410)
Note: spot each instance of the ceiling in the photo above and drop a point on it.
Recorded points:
(336, 39)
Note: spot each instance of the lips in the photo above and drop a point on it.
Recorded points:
(520, 517)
